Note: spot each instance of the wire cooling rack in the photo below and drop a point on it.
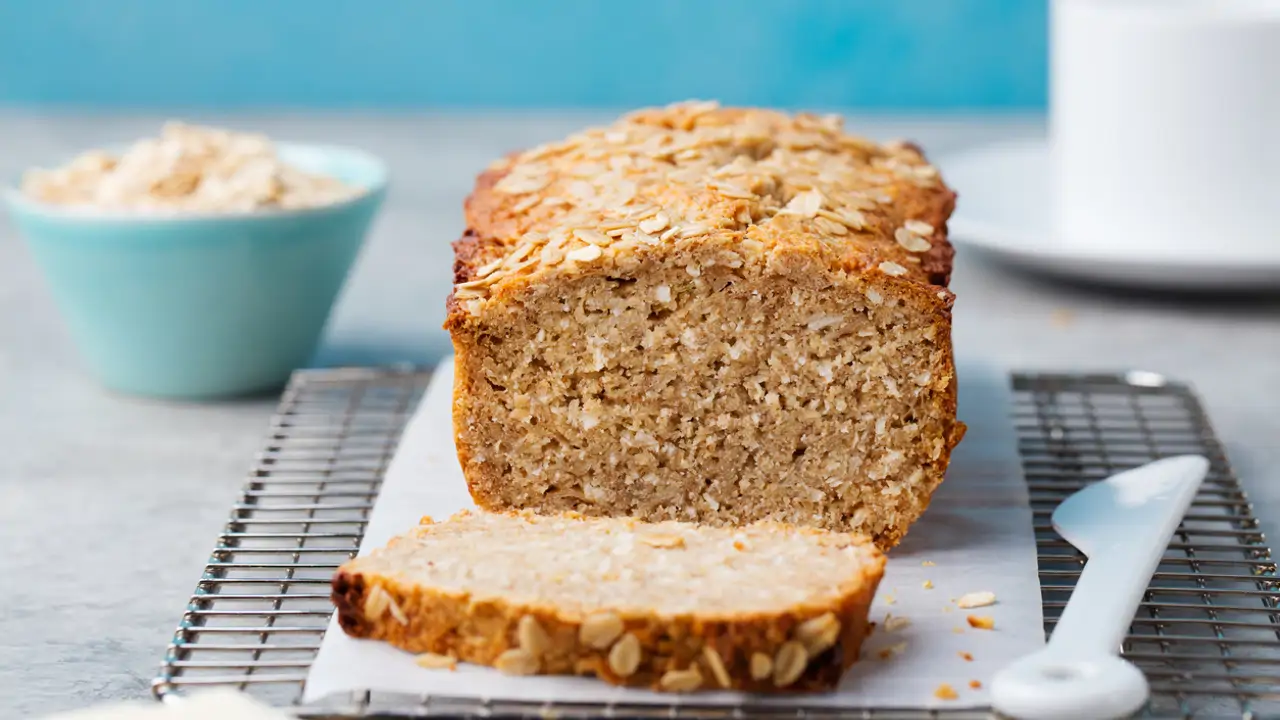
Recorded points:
(1207, 634)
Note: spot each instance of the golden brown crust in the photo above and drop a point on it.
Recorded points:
(556, 188)
(480, 630)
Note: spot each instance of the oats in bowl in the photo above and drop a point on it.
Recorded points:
(203, 264)
(188, 169)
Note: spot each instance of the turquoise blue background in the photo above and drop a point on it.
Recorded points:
(920, 55)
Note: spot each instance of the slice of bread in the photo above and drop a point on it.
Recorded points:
(672, 606)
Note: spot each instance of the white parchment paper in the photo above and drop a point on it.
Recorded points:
(976, 535)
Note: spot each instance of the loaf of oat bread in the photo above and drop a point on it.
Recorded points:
(671, 606)
(701, 313)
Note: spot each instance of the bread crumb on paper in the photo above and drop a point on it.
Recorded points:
(946, 692)
(967, 657)
(895, 622)
(981, 622)
(976, 685)
(892, 650)
(927, 585)
(976, 600)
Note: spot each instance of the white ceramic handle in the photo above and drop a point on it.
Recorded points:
(1124, 529)
(1078, 674)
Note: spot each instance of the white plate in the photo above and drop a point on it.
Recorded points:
(1004, 211)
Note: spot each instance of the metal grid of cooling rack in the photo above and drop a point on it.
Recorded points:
(1207, 634)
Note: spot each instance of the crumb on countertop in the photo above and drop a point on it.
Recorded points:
(966, 656)
(946, 692)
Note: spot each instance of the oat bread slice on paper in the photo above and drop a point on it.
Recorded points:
(671, 606)
(711, 314)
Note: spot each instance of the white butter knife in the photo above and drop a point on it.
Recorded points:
(1123, 525)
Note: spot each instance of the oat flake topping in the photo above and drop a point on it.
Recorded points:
(693, 171)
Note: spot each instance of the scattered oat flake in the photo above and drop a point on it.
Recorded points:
(806, 204)
(396, 612)
(911, 242)
(657, 223)
(521, 184)
(919, 227)
(946, 692)
(854, 219)
(892, 269)
(967, 657)
(928, 563)
(895, 622)
(976, 685)
(585, 254)
(692, 229)
(595, 237)
(982, 622)
(528, 202)
(890, 600)
(486, 269)
(734, 191)
(976, 600)
(582, 189)
(928, 585)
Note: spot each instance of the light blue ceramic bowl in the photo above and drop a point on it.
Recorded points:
(203, 306)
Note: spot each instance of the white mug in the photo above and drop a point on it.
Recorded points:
(1165, 126)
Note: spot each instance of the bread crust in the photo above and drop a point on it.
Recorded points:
(480, 629)
(493, 223)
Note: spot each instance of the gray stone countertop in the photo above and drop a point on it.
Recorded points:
(109, 504)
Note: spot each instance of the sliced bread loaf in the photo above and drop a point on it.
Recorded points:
(713, 314)
(672, 606)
